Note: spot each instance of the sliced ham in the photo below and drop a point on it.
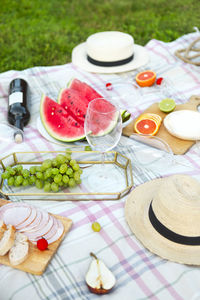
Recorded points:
(34, 224)
(40, 231)
(15, 213)
(31, 221)
(58, 233)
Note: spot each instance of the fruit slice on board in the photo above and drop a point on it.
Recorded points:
(59, 123)
(167, 105)
(148, 124)
(85, 90)
(145, 78)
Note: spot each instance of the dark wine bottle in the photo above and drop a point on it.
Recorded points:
(18, 113)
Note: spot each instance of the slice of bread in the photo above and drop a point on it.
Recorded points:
(19, 252)
(3, 228)
(7, 240)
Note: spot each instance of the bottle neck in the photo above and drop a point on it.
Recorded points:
(19, 122)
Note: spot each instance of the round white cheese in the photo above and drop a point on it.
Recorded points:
(184, 124)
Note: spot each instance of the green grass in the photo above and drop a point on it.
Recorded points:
(44, 32)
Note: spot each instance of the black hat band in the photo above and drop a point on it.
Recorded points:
(169, 234)
(109, 63)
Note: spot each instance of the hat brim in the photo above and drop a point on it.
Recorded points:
(136, 214)
(79, 58)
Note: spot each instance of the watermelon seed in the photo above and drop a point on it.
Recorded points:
(65, 107)
(60, 110)
(52, 113)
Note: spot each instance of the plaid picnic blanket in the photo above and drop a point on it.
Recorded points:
(139, 273)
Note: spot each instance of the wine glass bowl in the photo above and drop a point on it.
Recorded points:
(103, 125)
(103, 129)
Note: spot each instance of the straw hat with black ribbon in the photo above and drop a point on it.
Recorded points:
(109, 52)
(164, 214)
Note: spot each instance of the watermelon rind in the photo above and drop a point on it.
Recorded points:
(49, 129)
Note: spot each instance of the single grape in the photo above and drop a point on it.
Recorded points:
(61, 183)
(19, 168)
(72, 182)
(60, 158)
(10, 170)
(39, 184)
(80, 171)
(72, 162)
(46, 164)
(38, 168)
(69, 171)
(68, 157)
(25, 173)
(47, 187)
(54, 187)
(55, 171)
(76, 176)
(32, 179)
(96, 226)
(54, 162)
(19, 179)
(39, 175)
(5, 175)
(78, 181)
(63, 168)
(16, 183)
(75, 167)
(88, 148)
(57, 178)
(65, 179)
(25, 182)
(32, 170)
(48, 173)
(11, 181)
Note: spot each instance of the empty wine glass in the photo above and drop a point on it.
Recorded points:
(103, 129)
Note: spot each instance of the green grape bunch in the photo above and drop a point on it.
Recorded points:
(53, 174)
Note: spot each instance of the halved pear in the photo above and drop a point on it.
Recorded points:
(99, 278)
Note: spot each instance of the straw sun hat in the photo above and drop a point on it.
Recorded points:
(109, 52)
(164, 214)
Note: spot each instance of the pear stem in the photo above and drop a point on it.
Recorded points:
(93, 255)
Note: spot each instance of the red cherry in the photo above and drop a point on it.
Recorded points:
(109, 86)
(159, 80)
(42, 244)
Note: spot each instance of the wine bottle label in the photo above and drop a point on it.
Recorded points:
(16, 97)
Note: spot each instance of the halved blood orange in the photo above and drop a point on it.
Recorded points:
(148, 123)
(145, 78)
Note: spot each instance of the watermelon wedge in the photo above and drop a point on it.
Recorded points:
(74, 103)
(59, 123)
(85, 91)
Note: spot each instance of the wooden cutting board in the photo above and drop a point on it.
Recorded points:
(37, 260)
(177, 145)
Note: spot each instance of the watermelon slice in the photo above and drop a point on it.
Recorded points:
(73, 102)
(86, 91)
(59, 123)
